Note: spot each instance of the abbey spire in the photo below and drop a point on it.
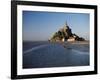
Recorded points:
(66, 25)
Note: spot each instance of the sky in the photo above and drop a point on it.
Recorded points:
(40, 26)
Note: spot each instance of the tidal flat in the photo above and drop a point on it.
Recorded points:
(44, 54)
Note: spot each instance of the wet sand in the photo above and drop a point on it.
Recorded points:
(78, 45)
(57, 55)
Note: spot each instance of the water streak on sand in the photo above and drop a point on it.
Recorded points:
(34, 48)
(80, 52)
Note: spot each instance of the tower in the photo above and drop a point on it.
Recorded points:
(66, 26)
(67, 30)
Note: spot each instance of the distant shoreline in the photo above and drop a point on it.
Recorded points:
(80, 42)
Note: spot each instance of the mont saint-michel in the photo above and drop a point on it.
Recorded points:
(52, 39)
(65, 34)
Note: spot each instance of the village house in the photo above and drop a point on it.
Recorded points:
(71, 39)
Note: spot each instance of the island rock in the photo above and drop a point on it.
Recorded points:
(65, 34)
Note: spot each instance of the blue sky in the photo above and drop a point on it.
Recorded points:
(40, 26)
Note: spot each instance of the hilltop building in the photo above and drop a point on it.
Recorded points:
(65, 34)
